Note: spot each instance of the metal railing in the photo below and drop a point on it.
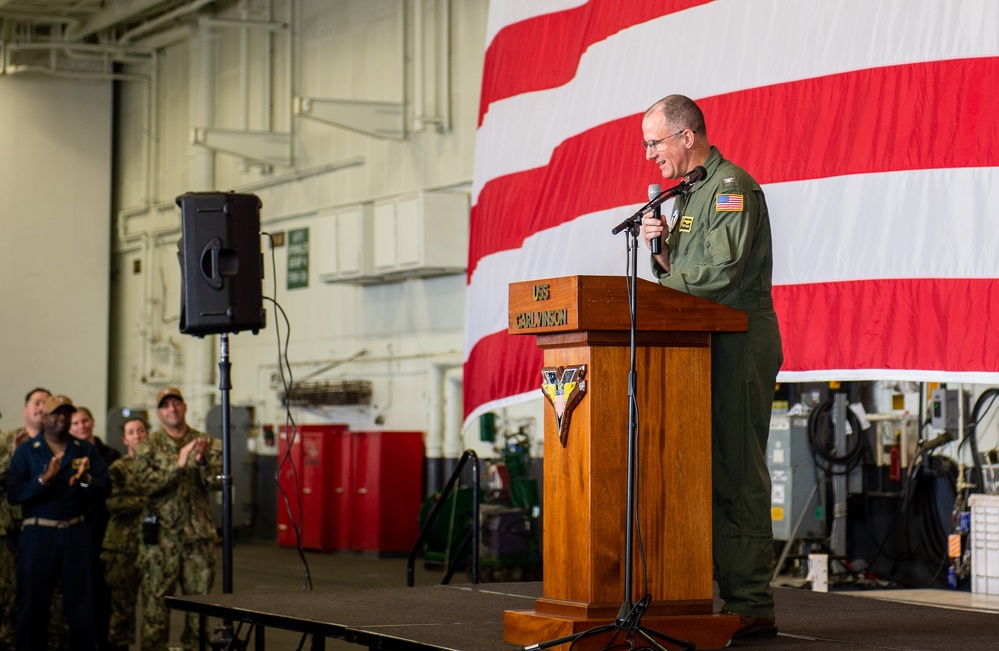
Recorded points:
(473, 534)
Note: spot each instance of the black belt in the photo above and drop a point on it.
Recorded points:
(45, 522)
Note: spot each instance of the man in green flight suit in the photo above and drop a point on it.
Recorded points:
(716, 244)
(177, 467)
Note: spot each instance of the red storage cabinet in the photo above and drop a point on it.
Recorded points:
(316, 455)
(287, 465)
(388, 490)
(359, 491)
(343, 493)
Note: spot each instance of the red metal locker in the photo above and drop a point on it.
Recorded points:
(343, 494)
(388, 490)
(287, 465)
(316, 454)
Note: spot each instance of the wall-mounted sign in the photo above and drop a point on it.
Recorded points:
(298, 258)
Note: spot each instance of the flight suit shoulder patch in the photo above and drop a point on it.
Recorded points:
(730, 184)
(730, 202)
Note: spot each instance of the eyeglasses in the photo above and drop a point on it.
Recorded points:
(649, 144)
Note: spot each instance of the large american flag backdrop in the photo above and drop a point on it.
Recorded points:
(873, 127)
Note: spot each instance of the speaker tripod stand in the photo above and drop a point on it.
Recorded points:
(224, 635)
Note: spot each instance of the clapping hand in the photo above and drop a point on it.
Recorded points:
(81, 471)
(185, 453)
(52, 469)
(201, 448)
(198, 448)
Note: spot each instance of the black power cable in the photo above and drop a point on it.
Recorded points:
(821, 440)
(291, 429)
(971, 430)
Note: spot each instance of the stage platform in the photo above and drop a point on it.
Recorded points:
(470, 618)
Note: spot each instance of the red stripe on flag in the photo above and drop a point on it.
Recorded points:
(544, 52)
(913, 323)
(501, 365)
(517, 205)
(908, 324)
(816, 128)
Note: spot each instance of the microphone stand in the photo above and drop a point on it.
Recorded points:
(629, 617)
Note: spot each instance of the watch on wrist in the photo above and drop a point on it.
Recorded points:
(41, 480)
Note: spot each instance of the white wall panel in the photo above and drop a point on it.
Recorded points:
(54, 245)
(391, 334)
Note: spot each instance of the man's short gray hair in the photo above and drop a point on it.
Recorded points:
(682, 112)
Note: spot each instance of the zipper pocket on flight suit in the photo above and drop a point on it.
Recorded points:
(721, 251)
(691, 236)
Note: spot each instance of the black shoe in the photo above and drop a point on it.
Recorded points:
(750, 627)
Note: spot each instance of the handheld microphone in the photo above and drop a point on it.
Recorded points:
(657, 243)
(693, 176)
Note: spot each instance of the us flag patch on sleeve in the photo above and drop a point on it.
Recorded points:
(728, 203)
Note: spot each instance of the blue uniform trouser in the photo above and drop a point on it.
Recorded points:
(44, 554)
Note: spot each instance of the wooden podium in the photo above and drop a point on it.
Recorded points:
(584, 320)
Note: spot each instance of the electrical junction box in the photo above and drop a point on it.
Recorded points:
(944, 409)
(793, 479)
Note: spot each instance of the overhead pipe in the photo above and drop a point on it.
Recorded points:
(444, 65)
(453, 444)
(170, 16)
(244, 69)
(406, 41)
(442, 61)
(291, 63)
(438, 425)
(54, 72)
(167, 37)
(115, 12)
(433, 441)
(77, 51)
(418, 63)
(243, 23)
(298, 175)
(92, 48)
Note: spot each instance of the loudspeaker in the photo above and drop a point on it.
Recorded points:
(221, 263)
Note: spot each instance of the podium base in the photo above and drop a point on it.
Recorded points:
(527, 627)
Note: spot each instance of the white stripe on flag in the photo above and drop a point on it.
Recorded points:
(866, 35)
